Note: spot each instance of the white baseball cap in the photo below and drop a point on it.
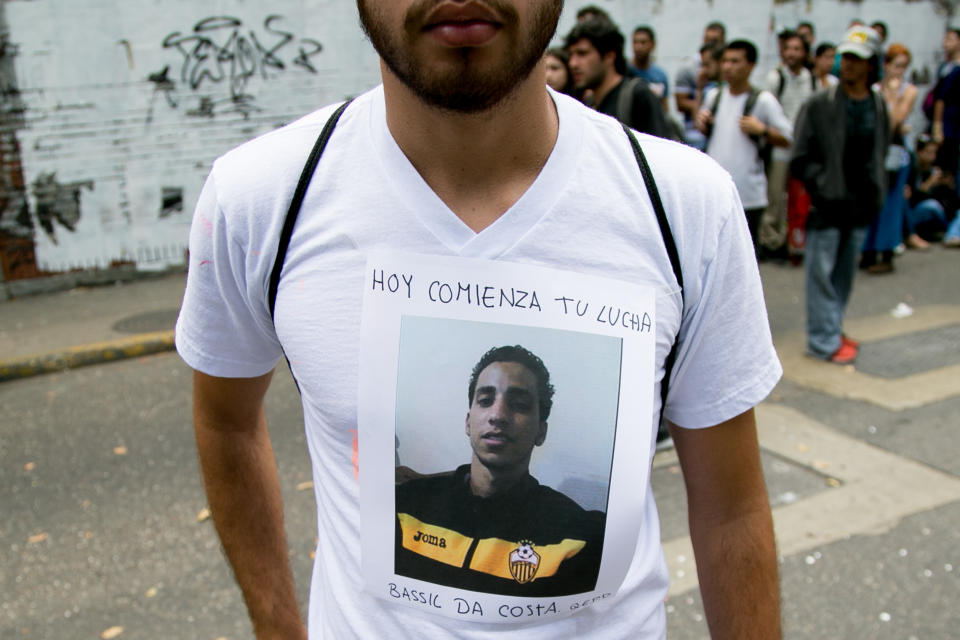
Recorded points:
(862, 42)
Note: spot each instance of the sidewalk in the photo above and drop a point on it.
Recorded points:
(88, 325)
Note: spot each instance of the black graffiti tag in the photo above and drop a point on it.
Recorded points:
(221, 51)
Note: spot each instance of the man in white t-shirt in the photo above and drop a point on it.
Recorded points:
(740, 122)
(464, 157)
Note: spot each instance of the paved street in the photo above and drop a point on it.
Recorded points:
(104, 524)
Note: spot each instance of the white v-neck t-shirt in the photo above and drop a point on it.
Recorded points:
(588, 212)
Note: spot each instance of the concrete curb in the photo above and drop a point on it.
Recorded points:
(84, 355)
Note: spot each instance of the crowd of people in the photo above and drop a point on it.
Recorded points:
(829, 171)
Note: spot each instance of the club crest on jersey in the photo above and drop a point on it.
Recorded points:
(524, 562)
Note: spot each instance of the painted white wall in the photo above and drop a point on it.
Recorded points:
(92, 115)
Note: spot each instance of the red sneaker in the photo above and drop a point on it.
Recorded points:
(844, 339)
(846, 354)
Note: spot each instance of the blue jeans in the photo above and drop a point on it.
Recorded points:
(925, 211)
(886, 232)
(953, 231)
(830, 264)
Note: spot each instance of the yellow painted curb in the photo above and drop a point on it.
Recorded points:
(83, 355)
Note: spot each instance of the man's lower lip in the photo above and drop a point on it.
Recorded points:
(464, 34)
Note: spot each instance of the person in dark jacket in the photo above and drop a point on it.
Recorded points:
(599, 67)
(840, 141)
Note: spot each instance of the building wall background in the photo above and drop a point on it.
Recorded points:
(112, 111)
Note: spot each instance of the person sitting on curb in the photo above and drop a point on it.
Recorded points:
(929, 194)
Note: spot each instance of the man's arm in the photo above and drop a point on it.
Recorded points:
(243, 490)
(769, 122)
(754, 126)
(936, 127)
(806, 158)
(685, 93)
(731, 528)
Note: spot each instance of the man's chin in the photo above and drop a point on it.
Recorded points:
(497, 463)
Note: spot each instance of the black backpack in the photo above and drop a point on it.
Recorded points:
(666, 126)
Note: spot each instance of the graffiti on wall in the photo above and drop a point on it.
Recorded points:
(56, 202)
(220, 56)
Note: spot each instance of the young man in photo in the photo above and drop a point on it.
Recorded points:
(492, 504)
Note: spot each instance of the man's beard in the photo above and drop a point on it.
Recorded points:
(463, 87)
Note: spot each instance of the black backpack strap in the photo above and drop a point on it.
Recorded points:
(625, 99)
(291, 218)
(672, 253)
(752, 96)
(714, 104)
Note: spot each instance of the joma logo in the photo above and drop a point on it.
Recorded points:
(436, 541)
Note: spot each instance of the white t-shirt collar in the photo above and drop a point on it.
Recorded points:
(434, 214)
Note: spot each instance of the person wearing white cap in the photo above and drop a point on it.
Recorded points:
(840, 142)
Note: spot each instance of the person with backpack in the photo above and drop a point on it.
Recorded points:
(792, 84)
(742, 125)
(319, 243)
(598, 65)
(643, 66)
(839, 148)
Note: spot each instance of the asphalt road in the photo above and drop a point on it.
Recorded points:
(104, 526)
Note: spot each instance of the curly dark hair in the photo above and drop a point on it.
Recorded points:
(604, 36)
(521, 356)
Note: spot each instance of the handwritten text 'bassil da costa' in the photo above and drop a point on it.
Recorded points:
(473, 608)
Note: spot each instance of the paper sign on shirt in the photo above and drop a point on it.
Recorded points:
(504, 428)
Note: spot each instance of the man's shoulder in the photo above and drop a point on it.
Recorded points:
(823, 97)
(270, 157)
(654, 72)
(285, 140)
(412, 482)
(687, 75)
(559, 507)
(639, 85)
(764, 97)
(711, 95)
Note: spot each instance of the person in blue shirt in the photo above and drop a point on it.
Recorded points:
(642, 66)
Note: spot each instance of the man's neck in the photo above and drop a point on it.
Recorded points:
(479, 164)
(641, 64)
(738, 88)
(793, 70)
(856, 90)
(610, 82)
(485, 482)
